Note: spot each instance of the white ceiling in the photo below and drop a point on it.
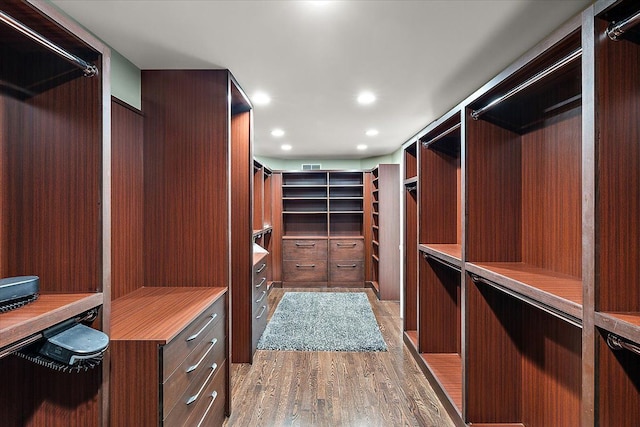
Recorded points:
(420, 58)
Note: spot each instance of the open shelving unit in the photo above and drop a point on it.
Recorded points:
(54, 206)
(524, 241)
(440, 264)
(617, 207)
(410, 285)
(385, 234)
(320, 210)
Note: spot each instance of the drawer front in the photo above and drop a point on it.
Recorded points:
(304, 271)
(304, 250)
(259, 322)
(260, 270)
(346, 271)
(346, 250)
(211, 350)
(260, 297)
(259, 286)
(199, 401)
(176, 351)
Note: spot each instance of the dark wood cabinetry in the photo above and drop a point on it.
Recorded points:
(175, 162)
(175, 349)
(617, 206)
(323, 228)
(526, 312)
(54, 208)
(385, 231)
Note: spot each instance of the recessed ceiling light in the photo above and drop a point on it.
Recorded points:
(277, 133)
(285, 147)
(372, 132)
(261, 98)
(361, 147)
(366, 98)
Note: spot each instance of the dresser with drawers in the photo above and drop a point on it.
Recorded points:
(260, 300)
(169, 355)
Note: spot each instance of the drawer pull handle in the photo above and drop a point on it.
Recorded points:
(261, 282)
(195, 396)
(305, 245)
(347, 266)
(262, 296)
(348, 245)
(194, 336)
(194, 367)
(262, 267)
(206, 412)
(264, 307)
(305, 265)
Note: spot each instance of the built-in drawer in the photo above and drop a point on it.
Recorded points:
(199, 401)
(175, 351)
(210, 350)
(346, 271)
(259, 322)
(340, 249)
(304, 249)
(260, 296)
(304, 271)
(260, 269)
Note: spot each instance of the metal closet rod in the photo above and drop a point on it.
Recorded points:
(617, 343)
(616, 29)
(475, 114)
(442, 135)
(88, 69)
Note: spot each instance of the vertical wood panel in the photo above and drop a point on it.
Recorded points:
(276, 237)
(618, 154)
(552, 195)
(241, 232)
(410, 261)
(389, 232)
(438, 197)
(127, 200)
(493, 193)
(618, 379)
(55, 190)
(439, 330)
(494, 373)
(551, 371)
(185, 177)
(367, 222)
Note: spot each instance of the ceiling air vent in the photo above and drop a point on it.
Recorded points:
(311, 166)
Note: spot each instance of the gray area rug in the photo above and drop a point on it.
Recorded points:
(323, 321)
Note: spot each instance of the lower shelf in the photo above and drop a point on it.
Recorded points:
(446, 369)
(46, 311)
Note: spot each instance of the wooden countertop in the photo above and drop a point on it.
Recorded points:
(159, 313)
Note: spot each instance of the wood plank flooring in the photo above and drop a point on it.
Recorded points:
(337, 389)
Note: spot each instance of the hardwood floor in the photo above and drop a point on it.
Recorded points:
(337, 389)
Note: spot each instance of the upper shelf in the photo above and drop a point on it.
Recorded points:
(545, 88)
(554, 292)
(28, 68)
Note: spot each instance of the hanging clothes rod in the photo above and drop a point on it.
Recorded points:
(88, 69)
(442, 135)
(617, 343)
(475, 114)
(616, 29)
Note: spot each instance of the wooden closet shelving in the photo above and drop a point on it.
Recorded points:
(323, 228)
(54, 207)
(384, 233)
(410, 285)
(440, 264)
(524, 241)
(617, 207)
